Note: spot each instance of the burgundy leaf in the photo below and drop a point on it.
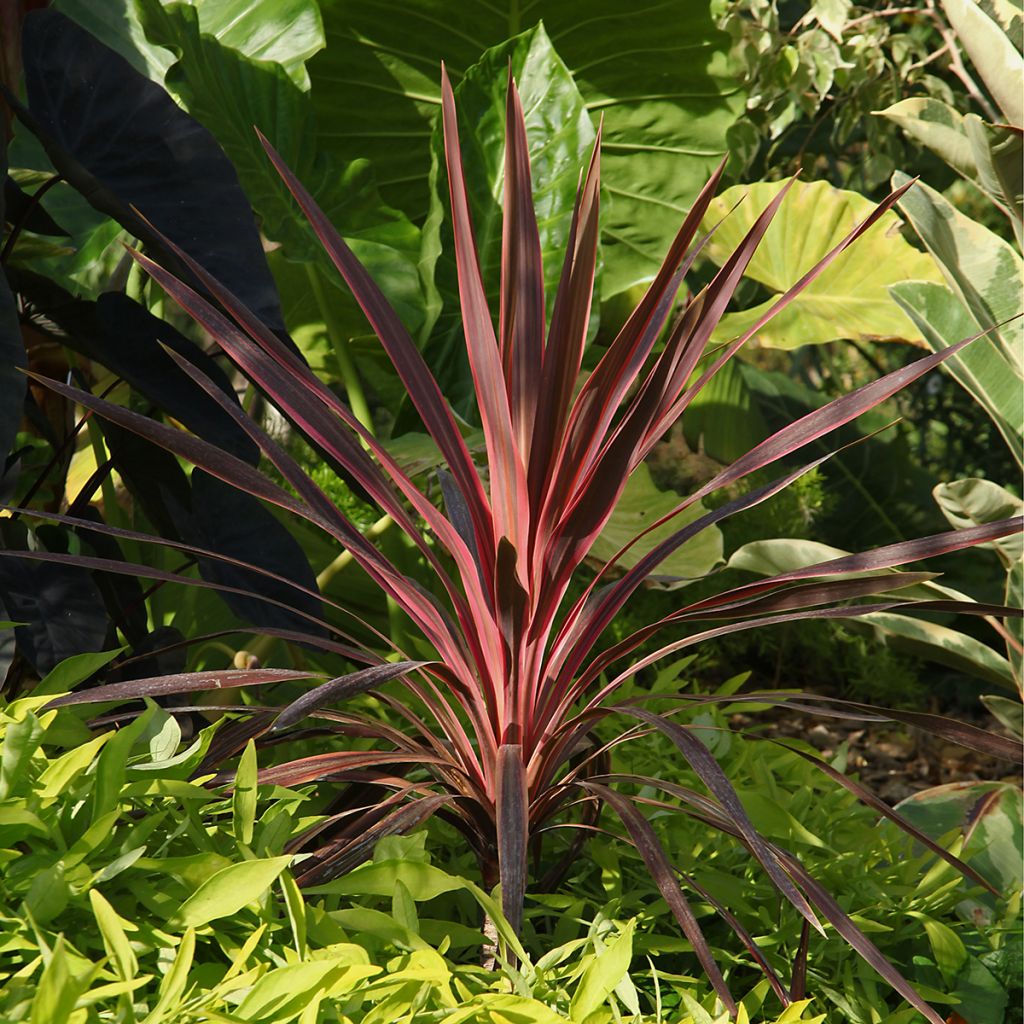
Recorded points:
(341, 688)
(182, 682)
(647, 845)
(512, 815)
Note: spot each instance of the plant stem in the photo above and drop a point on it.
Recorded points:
(330, 571)
(346, 367)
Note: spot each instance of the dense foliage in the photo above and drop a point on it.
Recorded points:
(473, 459)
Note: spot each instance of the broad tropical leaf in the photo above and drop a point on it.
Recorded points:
(850, 299)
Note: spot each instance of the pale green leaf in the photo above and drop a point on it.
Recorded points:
(996, 59)
(983, 368)
(939, 127)
(984, 271)
(600, 979)
(832, 15)
(230, 889)
(641, 504)
(1008, 711)
(998, 152)
(850, 299)
(974, 502)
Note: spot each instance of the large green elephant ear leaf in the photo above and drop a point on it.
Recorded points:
(560, 138)
(230, 81)
(851, 298)
(659, 78)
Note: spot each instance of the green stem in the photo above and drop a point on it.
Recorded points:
(328, 573)
(342, 353)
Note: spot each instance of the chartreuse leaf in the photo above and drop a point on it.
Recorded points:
(661, 81)
(850, 299)
(58, 989)
(403, 907)
(422, 881)
(296, 907)
(72, 671)
(243, 799)
(229, 890)
(113, 762)
(948, 949)
(280, 994)
(21, 739)
(603, 975)
(115, 941)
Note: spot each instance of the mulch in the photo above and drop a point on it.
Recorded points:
(891, 760)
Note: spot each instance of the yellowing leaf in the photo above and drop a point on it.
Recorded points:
(850, 299)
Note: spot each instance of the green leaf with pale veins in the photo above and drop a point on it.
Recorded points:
(659, 76)
(560, 137)
(286, 32)
(850, 299)
(230, 93)
(641, 504)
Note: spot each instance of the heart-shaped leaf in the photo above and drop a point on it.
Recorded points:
(850, 299)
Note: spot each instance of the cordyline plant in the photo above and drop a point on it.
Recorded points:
(499, 727)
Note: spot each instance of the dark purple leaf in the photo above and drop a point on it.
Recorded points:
(341, 688)
(121, 141)
(183, 682)
(512, 821)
